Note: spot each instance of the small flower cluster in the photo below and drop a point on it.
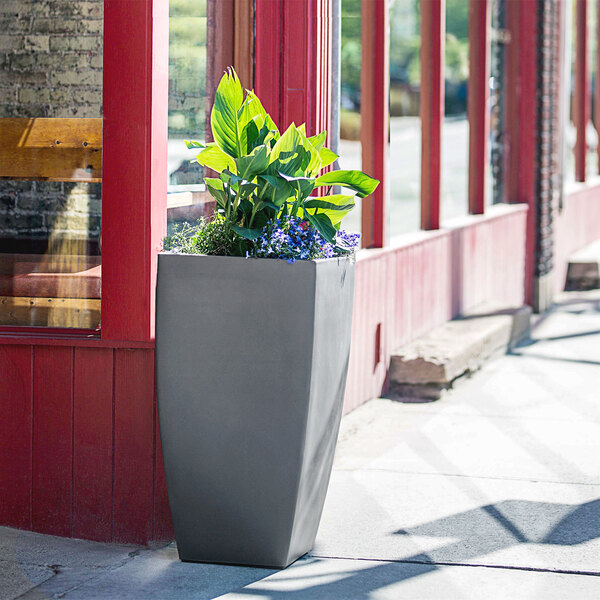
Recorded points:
(292, 238)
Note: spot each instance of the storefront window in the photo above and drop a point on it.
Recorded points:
(455, 128)
(405, 123)
(51, 165)
(187, 199)
(350, 148)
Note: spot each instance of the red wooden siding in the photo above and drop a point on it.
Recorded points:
(52, 440)
(577, 224)
(93, 443)
(133, 454)
(422, 284)
(267, 68)
(294, 84)
(79, 443)
(15, 436)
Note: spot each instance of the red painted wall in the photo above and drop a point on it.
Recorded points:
(79, 448)
(576, 225)
(405, 291)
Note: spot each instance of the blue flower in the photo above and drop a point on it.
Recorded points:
(292, 238)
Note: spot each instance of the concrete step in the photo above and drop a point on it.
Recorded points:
(583, 271)
(422, 369)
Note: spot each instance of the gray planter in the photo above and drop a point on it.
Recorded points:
(251, 359)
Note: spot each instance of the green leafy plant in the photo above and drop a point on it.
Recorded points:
(265, 175)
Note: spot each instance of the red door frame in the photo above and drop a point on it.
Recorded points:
(293, 61)
(134, 207)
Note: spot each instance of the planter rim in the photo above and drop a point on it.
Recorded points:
(351, 257)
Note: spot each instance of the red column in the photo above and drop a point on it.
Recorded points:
(374, 114)
(293, 61)
(134, 190)
(478, 102)
(521, 121)
(432, 109)
(581, 100)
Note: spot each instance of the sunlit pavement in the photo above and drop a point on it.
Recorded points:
(491, 492)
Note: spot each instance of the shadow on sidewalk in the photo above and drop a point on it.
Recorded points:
(479, 532)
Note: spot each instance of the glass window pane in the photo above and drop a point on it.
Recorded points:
(350, 148)
(405, 123)
(187, 199)
(455, 128)
(570, 130)
(50, 195)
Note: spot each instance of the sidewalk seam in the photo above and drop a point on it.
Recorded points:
(458, 564)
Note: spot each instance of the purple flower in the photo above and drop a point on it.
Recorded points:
(292, 238)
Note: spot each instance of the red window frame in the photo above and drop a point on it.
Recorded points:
(134, 183)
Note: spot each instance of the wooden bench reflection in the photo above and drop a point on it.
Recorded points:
(55, 290)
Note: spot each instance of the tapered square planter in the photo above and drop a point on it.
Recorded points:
(251, 359)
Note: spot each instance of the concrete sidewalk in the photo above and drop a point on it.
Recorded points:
(491, 492)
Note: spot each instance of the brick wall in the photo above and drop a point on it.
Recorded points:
(50, 66)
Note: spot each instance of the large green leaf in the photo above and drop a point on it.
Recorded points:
(194, 144)
(245, 232)
(275, 189)
(358, 181)
(313, 166)
(251, 119)
(217, 191)
(273, 129)
(248, 167)
(288, 154)
(327, 157)
(224, 116)
(252, 109)
(318, 140)
(322, 223)
(303, 185)
(336, 207)
(337, 202)
(214, 158)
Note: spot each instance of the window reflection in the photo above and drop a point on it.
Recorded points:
(455, 128)
(50, 164)
(188, 32)
(350, 148)
(405, 123)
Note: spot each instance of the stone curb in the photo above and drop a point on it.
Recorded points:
(424, 368)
